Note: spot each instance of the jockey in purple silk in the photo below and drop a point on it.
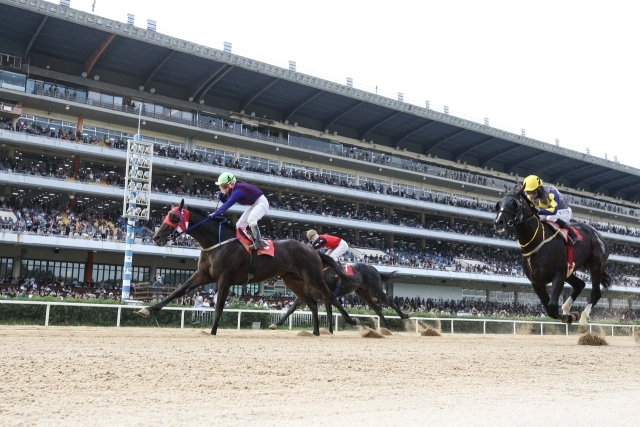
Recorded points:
(552, 206)
(232, 192)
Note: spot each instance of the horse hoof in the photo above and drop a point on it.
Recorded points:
(143, 312)
(357, 321)
(273, 326)
(582, 329)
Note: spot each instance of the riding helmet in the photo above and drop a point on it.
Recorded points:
(312, 235)
(532, 183)
(226, 178)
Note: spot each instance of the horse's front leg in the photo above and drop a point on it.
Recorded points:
(223, 292)
(553, 308)
(197, 279)
(297, 303)
(345, 315)
(578, 286)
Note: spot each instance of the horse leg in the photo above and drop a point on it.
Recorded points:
(379, 293)
(197, 279)
(368, 299)
(329, 311)
(223, 292)
(298, 286)
(596, 278)
(556, 289)
(297, 303)
(578, 286)
(345, 315)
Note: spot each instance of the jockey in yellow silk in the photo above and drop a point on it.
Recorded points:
(552, 205)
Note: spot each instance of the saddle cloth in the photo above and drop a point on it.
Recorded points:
(348, 269)
(247, 241)
(565, 233)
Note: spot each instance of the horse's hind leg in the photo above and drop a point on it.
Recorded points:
(578, 286)
(297, 303)
(596, 278)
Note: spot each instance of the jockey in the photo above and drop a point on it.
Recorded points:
(335, 246)
(232, 192)
(552, 206)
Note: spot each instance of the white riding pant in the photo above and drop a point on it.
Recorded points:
(339, 250)
(565, 214)
(254, 213)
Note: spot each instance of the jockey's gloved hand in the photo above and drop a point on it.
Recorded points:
(552, 218)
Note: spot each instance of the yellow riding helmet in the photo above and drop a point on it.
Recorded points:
(312, 235)
(531, 183)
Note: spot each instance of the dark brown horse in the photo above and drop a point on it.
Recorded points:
(368, 284)
(544, 257)
(224, 260)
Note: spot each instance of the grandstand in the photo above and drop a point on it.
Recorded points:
(410, 188)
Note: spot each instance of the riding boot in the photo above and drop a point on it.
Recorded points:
(571, 235)
(257, 240)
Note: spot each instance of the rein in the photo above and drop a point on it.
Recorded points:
(523, 220)
(175, 234)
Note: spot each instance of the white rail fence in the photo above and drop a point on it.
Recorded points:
(303, 318)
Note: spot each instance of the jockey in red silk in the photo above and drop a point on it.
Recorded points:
(335, 246)
(232, 192)
(552, 206)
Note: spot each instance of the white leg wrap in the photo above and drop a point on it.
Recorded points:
(566, 307)
(585, 315)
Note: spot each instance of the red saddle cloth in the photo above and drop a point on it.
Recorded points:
(348, 269)
(246, 241)
(565, 233)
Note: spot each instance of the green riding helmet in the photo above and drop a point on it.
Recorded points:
(226, 178)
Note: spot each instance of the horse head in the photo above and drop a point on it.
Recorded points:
(514, 208)
(176, 221)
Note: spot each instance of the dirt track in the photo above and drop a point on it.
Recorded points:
(99, 376)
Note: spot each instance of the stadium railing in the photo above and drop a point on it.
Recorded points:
(473, 325)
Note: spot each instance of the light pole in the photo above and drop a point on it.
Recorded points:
(137, 199)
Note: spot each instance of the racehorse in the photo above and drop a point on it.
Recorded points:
(224, 259)
(367, 286)
(545, 258)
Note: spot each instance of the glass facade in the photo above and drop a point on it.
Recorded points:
(257, 163)
(43, 270)
(110, 276)
(6, 267)
(173, 277)
(339, 176)
(12, 80)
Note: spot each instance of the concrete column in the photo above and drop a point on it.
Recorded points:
(390, 290)
(488, 295)
(356, 235)
(610, 302)
(319, 229)
(630, 304)
(423, 243)
(17, 262)
(152, 271)
(88, 267)
(11, 152)
(357, 206)
(79, 124)
(261, 286)
(390, 239)
(279, 195)
(279, 224)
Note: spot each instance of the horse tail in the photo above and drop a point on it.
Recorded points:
(388, 277)
(606, 280)
(339, 271)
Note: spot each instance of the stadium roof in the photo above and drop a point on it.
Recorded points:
(73, 42)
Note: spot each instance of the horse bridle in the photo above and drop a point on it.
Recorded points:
(184, 219)
(518, 217)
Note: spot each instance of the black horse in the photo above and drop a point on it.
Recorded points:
(368, 284)
(224, 260)
(544, 257)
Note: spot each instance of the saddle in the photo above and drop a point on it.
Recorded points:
(565, 233)
(247, 240)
